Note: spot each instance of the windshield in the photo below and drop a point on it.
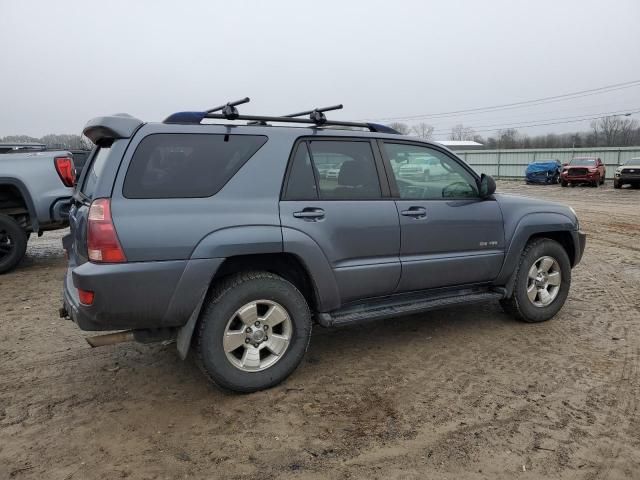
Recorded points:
(633, 161)
(584, 162)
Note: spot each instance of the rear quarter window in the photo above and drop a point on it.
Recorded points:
(95, 170)
(187, 165)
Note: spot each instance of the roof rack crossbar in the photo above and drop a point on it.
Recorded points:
(229, 110)
(316, 114)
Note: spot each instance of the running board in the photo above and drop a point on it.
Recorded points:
(397, 308)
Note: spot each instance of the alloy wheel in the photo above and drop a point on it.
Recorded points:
(257, 335)
(543, 281)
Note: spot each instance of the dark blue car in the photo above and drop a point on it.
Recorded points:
(544, 170)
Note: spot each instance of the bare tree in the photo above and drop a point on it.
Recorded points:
(423, 130)
(401, 128)
(460, 132)
(613, 130)
(508, 138)
(628, 132)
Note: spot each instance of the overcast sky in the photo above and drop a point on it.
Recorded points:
(64, 62)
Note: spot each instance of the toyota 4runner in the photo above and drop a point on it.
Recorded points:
(227, 238)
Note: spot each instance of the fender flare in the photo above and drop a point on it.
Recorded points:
(529, 225)
(14, 182)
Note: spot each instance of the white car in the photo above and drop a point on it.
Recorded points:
(421, 169)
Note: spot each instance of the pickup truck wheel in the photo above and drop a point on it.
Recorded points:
(563, 183)
(13, 243)
(253, 332)
(617, 184)
(542, 282)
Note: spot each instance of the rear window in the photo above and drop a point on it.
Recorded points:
(187, 165)
(94, 172)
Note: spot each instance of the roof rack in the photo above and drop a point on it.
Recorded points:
(230, 112)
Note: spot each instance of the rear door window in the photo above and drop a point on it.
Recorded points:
(345, 170)
(97, 166)
(187, 165)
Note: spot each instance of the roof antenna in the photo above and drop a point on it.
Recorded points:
(316, 115)
(229, 110)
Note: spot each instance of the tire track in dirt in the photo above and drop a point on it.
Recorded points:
(626, 386)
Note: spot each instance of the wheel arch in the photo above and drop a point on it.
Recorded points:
(286, 265)
(14, 186)
(554, 226)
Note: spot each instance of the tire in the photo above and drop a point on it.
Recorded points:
(222, 316)
(602, 180)
(520, 305)
(563, 183)
(556, 179)
(13, 243)
(617, 184)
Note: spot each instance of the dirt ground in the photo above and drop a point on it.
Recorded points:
(464, 393)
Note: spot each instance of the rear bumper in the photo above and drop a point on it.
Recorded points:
(60, 210)
(137, 295)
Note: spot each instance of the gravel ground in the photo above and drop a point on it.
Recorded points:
(460, 393)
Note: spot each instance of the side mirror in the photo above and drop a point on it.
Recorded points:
(487, 186)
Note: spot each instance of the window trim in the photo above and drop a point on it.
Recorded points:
(395, 191)
(139, 142)
(383, 180)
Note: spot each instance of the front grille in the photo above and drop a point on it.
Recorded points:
(631, 172)
(577, 172)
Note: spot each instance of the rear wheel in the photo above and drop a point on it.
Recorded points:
(13, 243)
(253, 332)
(542, 282)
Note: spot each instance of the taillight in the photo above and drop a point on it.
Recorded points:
(66, 170)
(102, 240)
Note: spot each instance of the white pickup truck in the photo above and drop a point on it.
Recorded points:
(35, 195)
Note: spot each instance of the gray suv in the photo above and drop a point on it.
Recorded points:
(227, 237)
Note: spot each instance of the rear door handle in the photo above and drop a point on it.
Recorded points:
(310, 214)
(415, 212)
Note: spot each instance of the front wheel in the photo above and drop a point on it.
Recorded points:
(13, 243)
(254, 331)
(542, 282)
(617, 184)
(563, 183)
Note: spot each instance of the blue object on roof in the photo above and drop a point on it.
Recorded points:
(543, 172)
(376, 127)
(185, 117)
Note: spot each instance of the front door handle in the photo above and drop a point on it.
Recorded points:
(415, 212)
(310, 214)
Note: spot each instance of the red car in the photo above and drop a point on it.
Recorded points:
(589, 170)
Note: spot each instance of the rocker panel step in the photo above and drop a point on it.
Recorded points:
(397, 309)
